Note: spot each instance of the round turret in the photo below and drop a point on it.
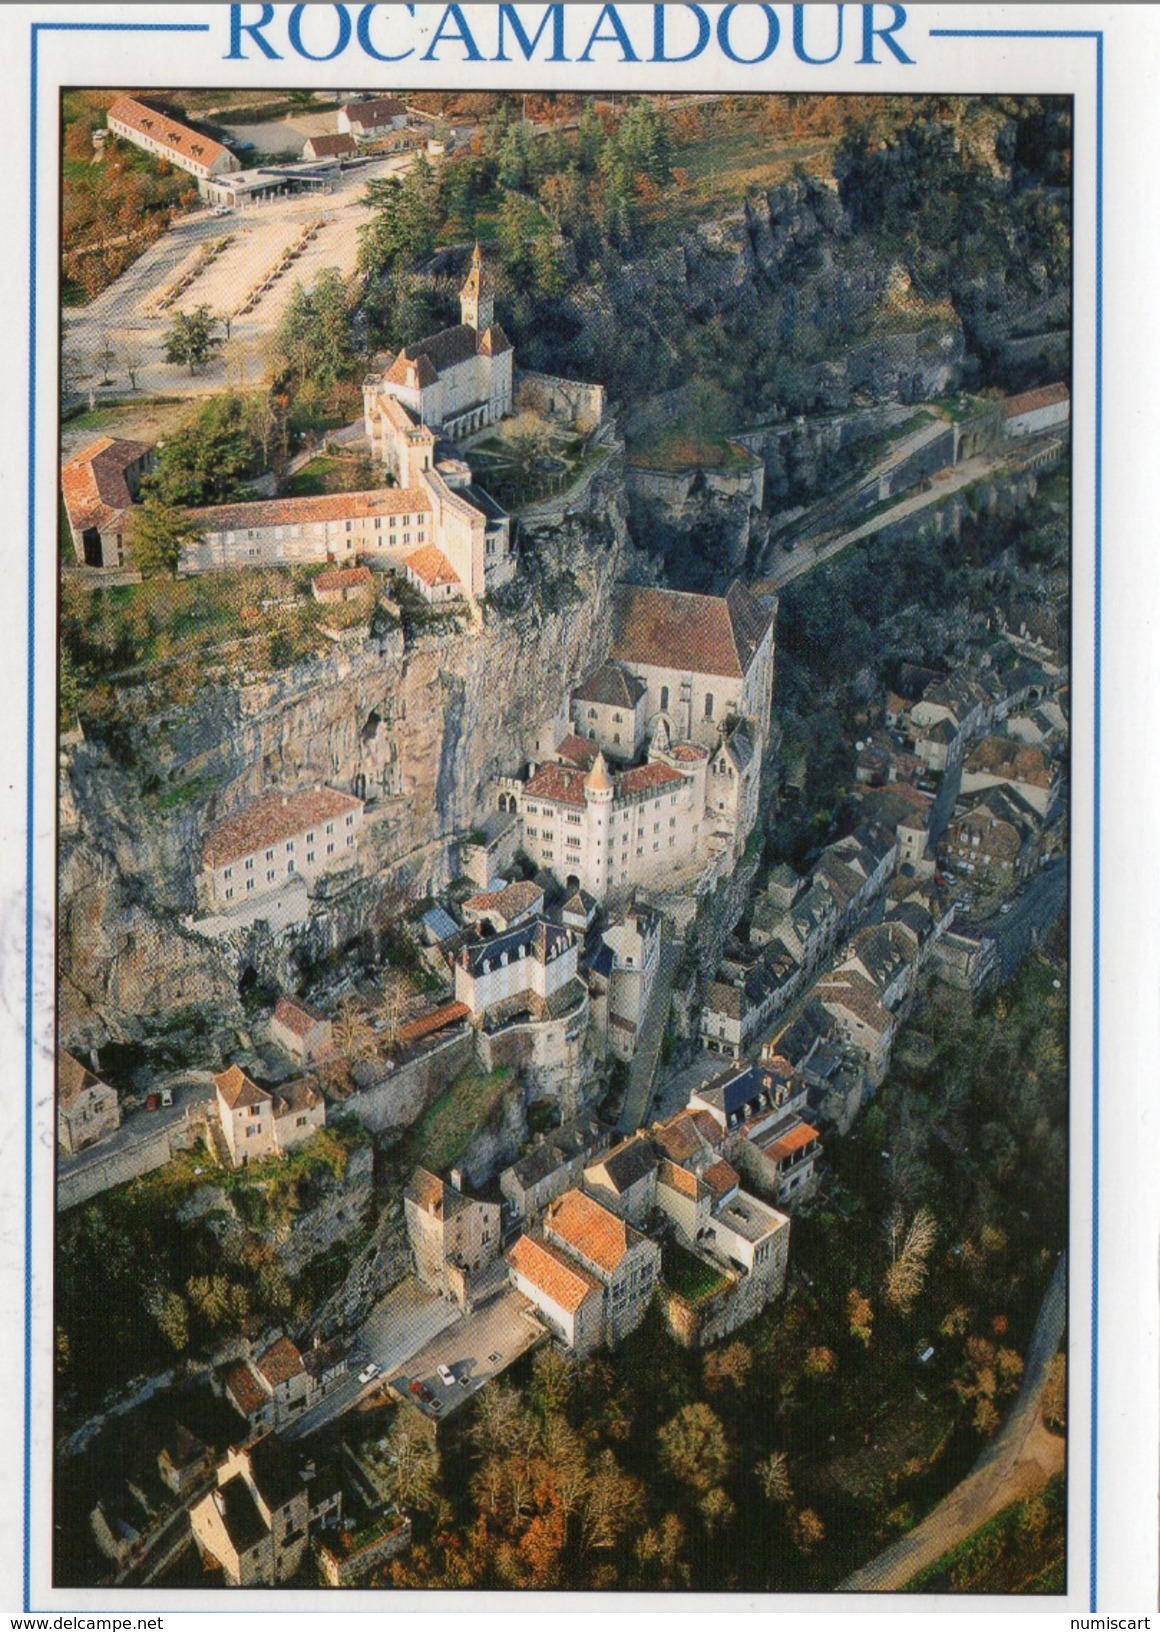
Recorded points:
(598, 785)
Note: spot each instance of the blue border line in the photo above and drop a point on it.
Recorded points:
(935, 33)
(34, 87)
(29, 768)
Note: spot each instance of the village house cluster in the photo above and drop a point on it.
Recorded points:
(583, 1229)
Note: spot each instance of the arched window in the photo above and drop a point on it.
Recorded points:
(708, 705)
(664, 698)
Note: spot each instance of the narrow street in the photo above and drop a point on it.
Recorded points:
(652, 1032)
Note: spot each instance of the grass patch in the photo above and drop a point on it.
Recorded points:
(688, 1276)
(448, 1126)
(1020, 1550)
(175, 635)
(683, 449)
(333, 473)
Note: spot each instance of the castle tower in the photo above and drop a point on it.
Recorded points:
(599, 792)
(477, 297)
(598, 787)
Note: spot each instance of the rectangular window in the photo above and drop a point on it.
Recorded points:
(290, 866)
(229, 895)
(249, 864)
(269, 855)
(229, 873)
(350, 841)
(270, 876)
(309, 856)
(330, 827)
(249, 883)
(330, 849)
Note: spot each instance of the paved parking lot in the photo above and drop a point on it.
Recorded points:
(477, 1348)
(127, 314)
(400, 1323)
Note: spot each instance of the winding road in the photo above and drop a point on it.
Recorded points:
(977, 1497)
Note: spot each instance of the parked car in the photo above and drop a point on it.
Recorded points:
(166, 1096)
(446, 1376)
(369, 1372)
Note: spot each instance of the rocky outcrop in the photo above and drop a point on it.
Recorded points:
(428, 728)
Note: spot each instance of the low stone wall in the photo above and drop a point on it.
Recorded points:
(132, 1162)
(574, 402)
(399, 1100)
(346, 1569)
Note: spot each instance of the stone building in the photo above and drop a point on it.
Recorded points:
(568, 1298)
(256, 1122)
(452, 1236)
(609, 709)
(459, 379)
(306, 1035)
(525, 967)
(257, 1521)
(277, 839)
(687, 691)
(99, 486)
(170, 140)
(1047, 408)
(625, 1262)
(553, 1164)
(625, 1179)
(369, 118)
(87, 1109)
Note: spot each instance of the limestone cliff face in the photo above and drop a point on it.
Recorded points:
(787, 272)
(428, 727)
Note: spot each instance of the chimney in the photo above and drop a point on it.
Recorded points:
(455, 1178)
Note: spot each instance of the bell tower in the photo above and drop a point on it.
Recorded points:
(477, 297)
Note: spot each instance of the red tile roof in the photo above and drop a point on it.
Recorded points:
(72, 1078)
(583, 1224)
(178, 138)
(644, 778)
(796, 1139)
(273, 817)
(515, 898)
(428, 1024)
(1044, 396)
(96, 493)
(565, 1283)
(331, 147)
(378, 110)
(680, 1180)
(236, 1089)
(688, 752)
(721, 1177)
(280, 1362)
(379, 501)
(244, 1388)
(432, 566)
(493, 342)
(339, 578)
(580, 751)
(556, 783)
(701, 634)
(297, 1017)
